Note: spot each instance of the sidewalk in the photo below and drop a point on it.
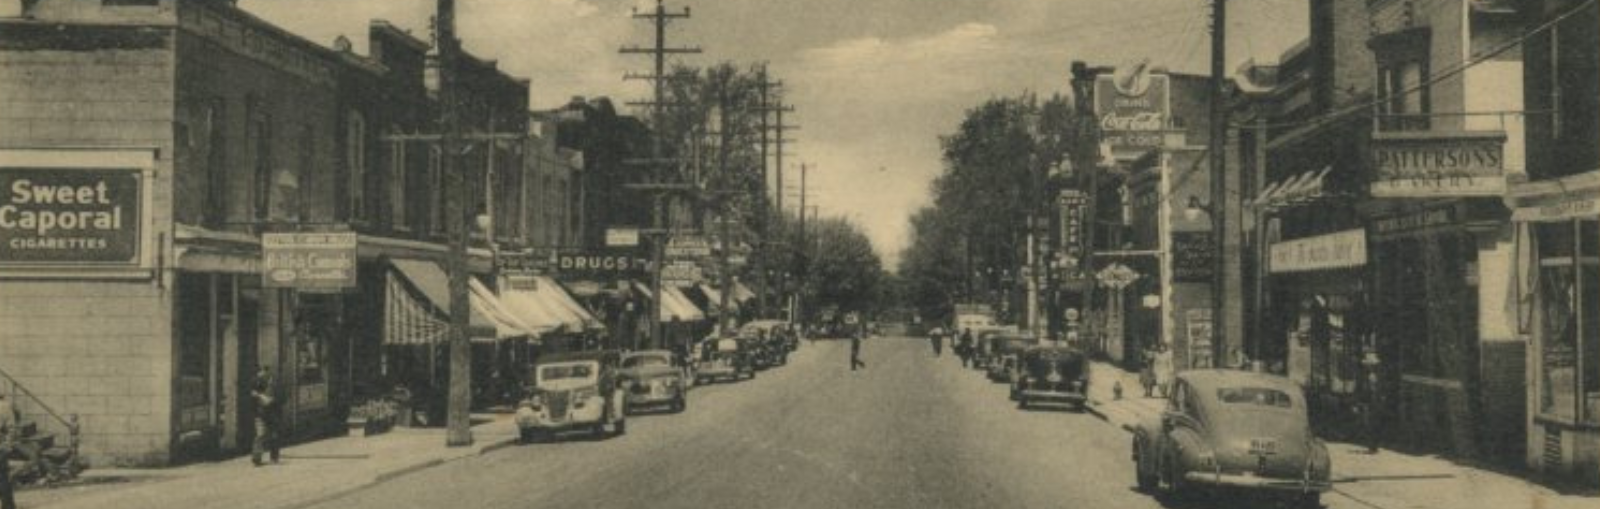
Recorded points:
(309, 473)
(1385, 480)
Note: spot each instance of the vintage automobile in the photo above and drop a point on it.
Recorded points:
(777, 330)
(987, 342)
(1051, 374)
(1233, 429)
(653, 378)
(1003, 361)
(573, 391)
(724, 358)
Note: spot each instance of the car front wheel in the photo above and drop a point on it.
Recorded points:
(1147, 481)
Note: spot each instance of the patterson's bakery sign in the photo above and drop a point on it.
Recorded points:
(1133, 107)
(73, 209)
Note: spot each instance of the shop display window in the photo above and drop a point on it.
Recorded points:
(1569, 291)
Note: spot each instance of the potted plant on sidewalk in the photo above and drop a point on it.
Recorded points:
(373, 417)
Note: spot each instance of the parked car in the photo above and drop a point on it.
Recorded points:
(988, 342)
(1051, 374)
(653, 378)
(724, 358)
(1003, 362)
(575, 391)
(1238, 429)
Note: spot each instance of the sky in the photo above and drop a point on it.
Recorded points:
(874, 83)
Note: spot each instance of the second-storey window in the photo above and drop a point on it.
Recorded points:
(355, 161)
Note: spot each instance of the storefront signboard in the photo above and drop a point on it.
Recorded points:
(1433, 217)
(1193, 257)
(1560, 210)
(601, 263)
(1134, 109)
(58, 211)
(622, 237)
(310, 261)
(1431, 164)
(680, 272)
(1198, 326)
(1333, 251)
(688, 246)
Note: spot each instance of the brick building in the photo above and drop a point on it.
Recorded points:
(195, 129)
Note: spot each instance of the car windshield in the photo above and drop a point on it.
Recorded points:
(641, 361)
(566, 372)
(1259, 396)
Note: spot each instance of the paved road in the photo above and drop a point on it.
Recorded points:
(909, 431)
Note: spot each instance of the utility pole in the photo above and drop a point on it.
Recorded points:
(658, 212)
(1219, 186)
(779, 128)
(795, 313)
(458, 416)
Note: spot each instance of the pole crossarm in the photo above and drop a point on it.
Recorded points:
(433, 138)
(652, 51)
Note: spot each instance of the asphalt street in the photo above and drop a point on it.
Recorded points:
(908, 431)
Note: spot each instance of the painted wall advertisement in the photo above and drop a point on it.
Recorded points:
(1134, 108)
(309, 261)
(71, 216)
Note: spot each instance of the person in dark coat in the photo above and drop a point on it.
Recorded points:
(964, 347)
(855, 351)
(265, 395)
(10, 434)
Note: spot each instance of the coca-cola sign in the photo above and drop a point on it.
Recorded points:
(1134, 108)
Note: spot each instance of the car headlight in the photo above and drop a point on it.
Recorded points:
(533, 402)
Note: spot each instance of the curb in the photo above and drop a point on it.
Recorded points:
(383, 477)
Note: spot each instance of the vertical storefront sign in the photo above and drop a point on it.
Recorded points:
(1198, 325)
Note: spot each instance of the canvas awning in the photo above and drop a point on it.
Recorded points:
(418, 307)
(742, 293)
(675, 305)
(1299, 188)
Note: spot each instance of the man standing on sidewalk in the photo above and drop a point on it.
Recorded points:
(264, 392)
(10, 431)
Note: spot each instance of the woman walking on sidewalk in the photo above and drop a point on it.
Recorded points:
(264, 393)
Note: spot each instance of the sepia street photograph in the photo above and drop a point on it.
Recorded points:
(835, 254)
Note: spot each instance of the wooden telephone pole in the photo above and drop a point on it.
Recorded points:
(657, 161)
(1219, 183)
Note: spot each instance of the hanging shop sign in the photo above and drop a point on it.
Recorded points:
(309, 260)
(1134, 108)
(1333, 251)
(622, 237)
(1432, 164)
(74, 209)
(680, 272)
(1193, 257)
(1432, 217)
(688, 246)
(603, 263)
(1198, 328)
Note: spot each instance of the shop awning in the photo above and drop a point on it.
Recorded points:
(534, 309)
(580, 315)
(1297, 189)
(674, 304)
(742, 293)
(419, 292)
(714, 296)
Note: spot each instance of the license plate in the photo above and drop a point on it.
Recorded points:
(1054, 378)
(1263, 446)
(656, 390)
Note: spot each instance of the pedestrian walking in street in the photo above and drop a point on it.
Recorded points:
(10, 434)
(964, 348)
(268, 407)
(937, 337)
(1147, 371)
(855, 351)
(1163, 368)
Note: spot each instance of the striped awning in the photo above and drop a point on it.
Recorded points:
(742, 293)
(417, 307)
(674, 304)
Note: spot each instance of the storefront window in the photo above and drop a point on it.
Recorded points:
(1569, 289)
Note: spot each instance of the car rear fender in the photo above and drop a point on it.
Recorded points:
(1190, 447)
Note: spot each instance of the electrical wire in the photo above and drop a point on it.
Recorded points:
(1433, 79)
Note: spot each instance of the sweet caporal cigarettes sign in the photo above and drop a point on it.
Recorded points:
(70, 216)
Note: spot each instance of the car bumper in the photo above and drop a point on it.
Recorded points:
(651, 398)
(1257, 482)
(589, 415)
(1064, 397)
